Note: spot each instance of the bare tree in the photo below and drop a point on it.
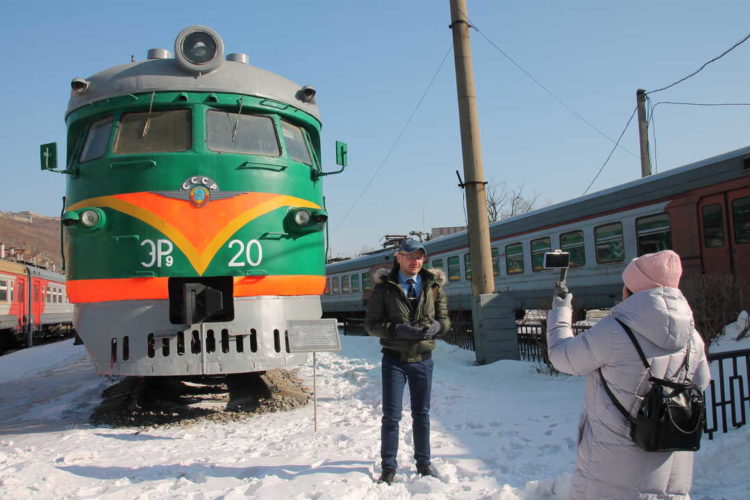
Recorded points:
(504, 202)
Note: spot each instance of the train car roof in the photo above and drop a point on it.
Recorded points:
(12, 267)
(156, 75)
(46, 274)
(714, 170)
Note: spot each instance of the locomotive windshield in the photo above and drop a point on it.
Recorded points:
(235, 133)
(295, 143)
(155, 132)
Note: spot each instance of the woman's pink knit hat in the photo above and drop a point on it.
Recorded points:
(653, 270)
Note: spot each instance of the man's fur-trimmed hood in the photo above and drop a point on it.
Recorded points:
(381, 274)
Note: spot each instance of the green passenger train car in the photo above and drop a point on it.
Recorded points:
(194, 219)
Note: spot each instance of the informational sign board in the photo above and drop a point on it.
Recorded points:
(317, 335)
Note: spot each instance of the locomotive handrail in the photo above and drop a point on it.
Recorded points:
(262, 165)
(133, 163)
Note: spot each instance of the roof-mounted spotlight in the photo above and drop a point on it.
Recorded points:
(199, 49)
(79, 85)
(306, 94)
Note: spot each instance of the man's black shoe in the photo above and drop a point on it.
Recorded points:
(426, 470)
(387, 476)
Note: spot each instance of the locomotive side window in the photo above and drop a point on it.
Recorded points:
(436, 264)
(96, 140)
(653, 233)
(538, 247)
(514, 258)
(454, 268)
(155, 132)
(335, 286)
(495, 262)
(609, 243)
(345, 284)
(467, 266)
(295, 143)
(741, 219)
(235, 133)
(366, 282)
(713, 225)
(355, 282)
(572, 243)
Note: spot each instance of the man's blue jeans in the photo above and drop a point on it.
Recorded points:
(395, 375)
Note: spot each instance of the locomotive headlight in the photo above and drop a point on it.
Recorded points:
(304, 220)
(302, 217)
(199, 49)
(92, 218)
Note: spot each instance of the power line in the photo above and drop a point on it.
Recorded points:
(548, 91)
(398, 138)
(704, 65)
(613, 150)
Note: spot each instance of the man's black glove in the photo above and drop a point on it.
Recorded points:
(406, 331)
(561, 289)
(433, 329)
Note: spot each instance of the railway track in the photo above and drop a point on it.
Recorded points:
(153, 401)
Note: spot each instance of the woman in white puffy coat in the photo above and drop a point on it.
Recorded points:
(609, 465)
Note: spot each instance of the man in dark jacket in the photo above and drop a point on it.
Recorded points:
(407, 309)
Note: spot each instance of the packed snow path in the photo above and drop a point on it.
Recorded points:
(501, 431)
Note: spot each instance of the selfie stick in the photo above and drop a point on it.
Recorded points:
(563, 277)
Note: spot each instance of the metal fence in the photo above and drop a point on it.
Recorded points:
(727, 397)
(729, 403)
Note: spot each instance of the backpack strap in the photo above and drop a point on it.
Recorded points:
(635, 343)
(617, 403)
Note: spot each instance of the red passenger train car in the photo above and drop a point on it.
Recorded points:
(33, 305)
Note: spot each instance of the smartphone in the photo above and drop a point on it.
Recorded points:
(556, 260)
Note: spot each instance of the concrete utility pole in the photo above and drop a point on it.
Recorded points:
(493, 319)
(640, 97)
(482, 278)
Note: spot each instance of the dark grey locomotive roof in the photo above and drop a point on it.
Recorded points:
(721, 168)
(155, 75)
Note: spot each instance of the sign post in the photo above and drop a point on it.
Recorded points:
(314, 336)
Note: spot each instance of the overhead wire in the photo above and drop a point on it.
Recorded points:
(543, 87)
(613, 150)
(396, 141)
(704, 65)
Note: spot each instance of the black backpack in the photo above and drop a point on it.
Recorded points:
(671, 415)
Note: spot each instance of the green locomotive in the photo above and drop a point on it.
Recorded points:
(194, 220)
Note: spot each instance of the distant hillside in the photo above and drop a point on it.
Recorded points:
(35, 237)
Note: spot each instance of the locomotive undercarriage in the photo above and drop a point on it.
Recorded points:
(145, 343)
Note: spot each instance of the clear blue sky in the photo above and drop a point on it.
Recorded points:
(371, 61)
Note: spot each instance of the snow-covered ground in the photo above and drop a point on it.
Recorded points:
(500, 431)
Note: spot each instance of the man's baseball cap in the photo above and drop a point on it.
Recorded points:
(410, 245)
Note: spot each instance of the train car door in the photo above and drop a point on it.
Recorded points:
(715, 248)
(738, 206)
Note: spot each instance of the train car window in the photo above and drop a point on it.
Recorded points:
(296, 146)
(366, 282)
(345, 284)
(235, 133)
(572, 243)
(741, 219)
(436, 264)
(713, 225)
(155, 132)
(96, 140)
(3, 291)
(454, 268)
(335, 285)
(495, 262)
(355, 282)
(538, 247)
(514, 258)
(467, 266)
(609, 243)
(653, 233)
(327, 289)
